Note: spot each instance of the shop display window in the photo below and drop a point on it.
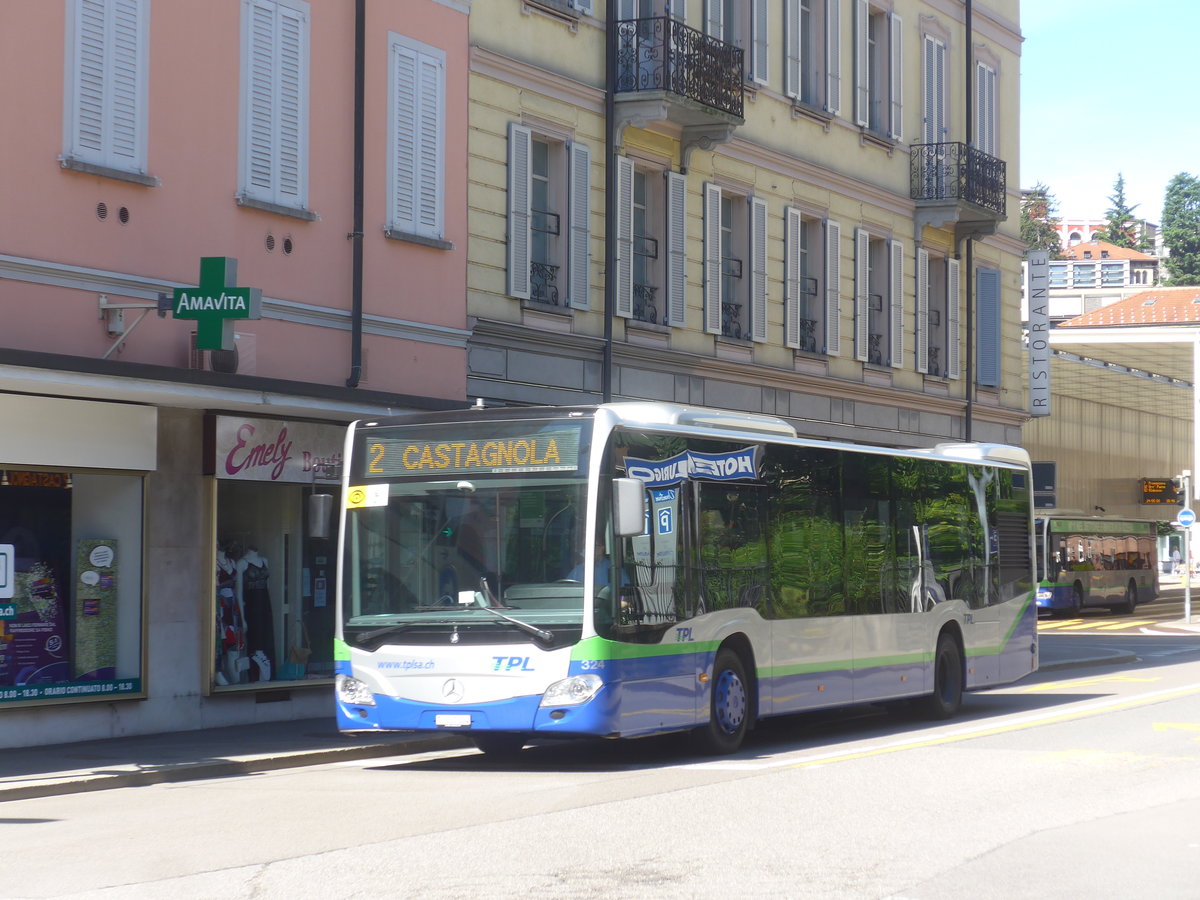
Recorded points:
(70, 585)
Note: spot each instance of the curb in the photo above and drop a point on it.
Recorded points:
(52, 785)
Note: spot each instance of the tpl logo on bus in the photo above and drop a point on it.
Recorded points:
(512, 664)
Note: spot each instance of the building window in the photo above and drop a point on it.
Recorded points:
(1058, 275)
(937, 322)
(879, 300)
(1085, 275)
(734, 264)
(985, 109)
(933, 90)
(416, 139)
(274, 103)
(549, 184)
(877, 70)
(806, 279)
(1112, 274)
(641, 244)
(106, 84)
(812, 53)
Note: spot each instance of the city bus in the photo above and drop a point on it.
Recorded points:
(635, 568)
(1094, 562)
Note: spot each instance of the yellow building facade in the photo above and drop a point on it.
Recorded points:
(811, 210)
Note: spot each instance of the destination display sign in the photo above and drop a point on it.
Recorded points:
(1159, 491)
(471, 453)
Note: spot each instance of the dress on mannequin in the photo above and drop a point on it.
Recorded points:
(260, 621)
(231, 625)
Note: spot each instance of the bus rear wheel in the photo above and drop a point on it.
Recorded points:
(946, 699)
(1131, 599)
(729, 706)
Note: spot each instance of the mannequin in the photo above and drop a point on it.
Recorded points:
(231, 629)
(254, 576)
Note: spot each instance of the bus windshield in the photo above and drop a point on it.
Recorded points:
(483, 553)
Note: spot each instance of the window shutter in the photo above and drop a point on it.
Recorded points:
(712, 259)
(584, 6)
(626, 9)
(896, 82)
(833, 286)
(418, 86)
(896, 289)
(987, 286)
(624, 285)
(953, 350)
(833, 57)
(792, 223)
(106, 122)
(760, 41)
(985, 109)
(791, 48)
(862, 293)
(922, 320)
(676, 249)
(520, 191)
(862, 92)
(276, 104)
(758, 262)
(714, 19)
(579, 214)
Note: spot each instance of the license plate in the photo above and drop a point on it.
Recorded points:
(452, 720)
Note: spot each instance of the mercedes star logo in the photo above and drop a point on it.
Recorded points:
(452, 690)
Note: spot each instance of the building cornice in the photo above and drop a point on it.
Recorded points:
(557, 85)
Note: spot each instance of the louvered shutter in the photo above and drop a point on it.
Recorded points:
(896, 290)
(584, 6)
(862, 89)
(833, 57)
(896, 82)
(758, 275)
(276, 131)
(714, 19)
(987, 307)
(579, 215)
(953, 292)
(418, 87)
(676, 249)
(791, 48)
(985, 109)
(862, 293)
(520, 191)
(712, 259)
(922, 318)
(833, 288)
(759, 24)
(934, 90)
(106, 122)
(624, 209)
(792, 223)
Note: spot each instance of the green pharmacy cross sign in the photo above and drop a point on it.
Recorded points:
(215, 303)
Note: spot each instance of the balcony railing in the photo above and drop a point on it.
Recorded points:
(954, 171)
(543, 283)
(644, 309)
(662, 54)
(731, 320)
(875, 348)
(808, 335)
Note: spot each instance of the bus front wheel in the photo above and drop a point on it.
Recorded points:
(946, 698)
(729, 706)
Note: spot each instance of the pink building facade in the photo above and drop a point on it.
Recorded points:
(166, 502)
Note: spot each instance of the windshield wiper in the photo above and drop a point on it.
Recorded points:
(371, 636)
(486, 592)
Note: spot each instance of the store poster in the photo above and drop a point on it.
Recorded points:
(95, 609)
(33, 640)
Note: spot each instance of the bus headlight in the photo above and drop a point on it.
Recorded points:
(572, 691)
(353, 692)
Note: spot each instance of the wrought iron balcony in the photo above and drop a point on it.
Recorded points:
(958, 184)
(808, 335)
(543, 283)
(875, 348)
(935, 361)
(644, 309)
(731, 320)
(668, 72)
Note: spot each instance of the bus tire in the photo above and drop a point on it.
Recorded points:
(1131, 599)
(499, 744)
(946, 699)
(1076, 607)
(728, 708)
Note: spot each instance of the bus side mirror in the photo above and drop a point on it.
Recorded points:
(629, 507)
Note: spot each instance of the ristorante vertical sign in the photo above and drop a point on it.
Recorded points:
(1037, 291)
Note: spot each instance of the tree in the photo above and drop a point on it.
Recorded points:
(1039, 222)
(1121, 228)
(1181, 229)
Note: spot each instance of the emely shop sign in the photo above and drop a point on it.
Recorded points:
(216, 302)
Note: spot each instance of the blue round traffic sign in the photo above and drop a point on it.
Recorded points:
(1186, 518)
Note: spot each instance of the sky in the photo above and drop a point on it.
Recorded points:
(1108, 87)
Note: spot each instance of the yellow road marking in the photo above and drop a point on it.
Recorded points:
(1177, 726)
(1020, 725)
(1120, 625)
(1088, 682)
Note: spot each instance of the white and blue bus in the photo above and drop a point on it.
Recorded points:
(1087, 562)
(636, 568)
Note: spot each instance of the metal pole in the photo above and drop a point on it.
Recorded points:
(1187, 552)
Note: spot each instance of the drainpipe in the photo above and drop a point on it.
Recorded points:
(610, 191)
(970, 409)
(356, 265)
